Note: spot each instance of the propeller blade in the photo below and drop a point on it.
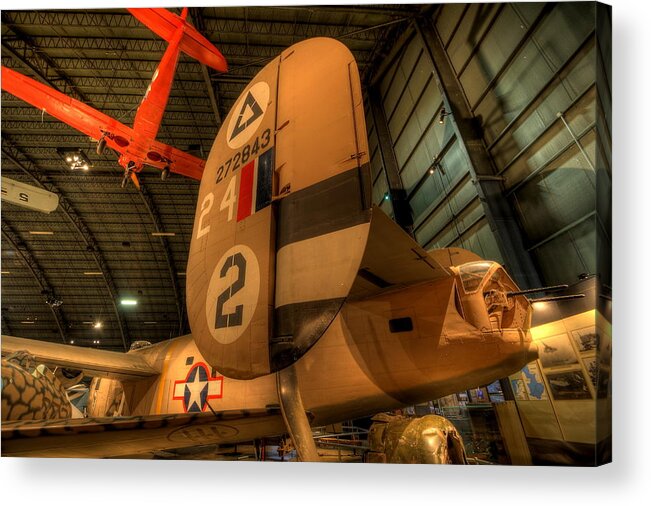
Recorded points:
(134, 178)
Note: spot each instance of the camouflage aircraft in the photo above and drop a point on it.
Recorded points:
(307, 304)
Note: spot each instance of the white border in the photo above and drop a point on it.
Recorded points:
(627, 481)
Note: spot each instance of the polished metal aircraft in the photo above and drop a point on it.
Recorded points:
(137, 146)
(307, 304)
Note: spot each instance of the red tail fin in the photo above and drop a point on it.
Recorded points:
(165, 23)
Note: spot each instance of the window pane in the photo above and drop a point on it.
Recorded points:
(558, 98)
(559, 195)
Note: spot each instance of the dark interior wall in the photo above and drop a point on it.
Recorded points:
(528, 72)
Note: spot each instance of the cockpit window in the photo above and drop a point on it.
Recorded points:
(472, 275)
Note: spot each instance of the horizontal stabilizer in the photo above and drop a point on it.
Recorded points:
(165, 23)
(102, 363)
(392, 260)
(450, 257)
(134, 435)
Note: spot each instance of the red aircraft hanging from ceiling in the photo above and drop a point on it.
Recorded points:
(136, 145)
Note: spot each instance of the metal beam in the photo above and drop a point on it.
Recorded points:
(221, 26)
(200, 25)
(401, 208)
(12, 238)
(40, 62)
(497, 209)
(158, 224)
(29, 167)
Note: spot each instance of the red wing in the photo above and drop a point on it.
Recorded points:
(179, 162)
(165, 23)
(78, 115)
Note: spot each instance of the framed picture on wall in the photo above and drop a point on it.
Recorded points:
(585, 339)
(590, 365)
(519, 390)
(569, 385)
(556, 351)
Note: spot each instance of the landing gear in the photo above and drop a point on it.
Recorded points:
(165, 173)
(101, 145)
(293, 413)
(127, 174)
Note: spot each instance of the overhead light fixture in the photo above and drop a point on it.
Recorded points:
(93, 273)
(181, 273)
(5, 272)
(150, 323)
(443, 114)
(163, 234)
(52, 301)
(74, 158)
(129, 302)
(97, 325)
(28, 322)
(41, 232)
(72, 341)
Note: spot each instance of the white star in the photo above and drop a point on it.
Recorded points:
(196, 388)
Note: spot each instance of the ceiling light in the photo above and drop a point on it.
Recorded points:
(181, 273)
(97, 325)
(443, 114)
(74, 158)
(41, 232)
(150, 323)
(128, 302)
(72, 341)
(28, 322)
(5, 272)
(163, 234)
(93, 273)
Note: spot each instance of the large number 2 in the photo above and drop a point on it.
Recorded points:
(206, 206)
(232, 319)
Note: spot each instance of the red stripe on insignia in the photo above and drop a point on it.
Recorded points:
(245, 197)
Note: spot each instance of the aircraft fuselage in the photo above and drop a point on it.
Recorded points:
(363, 364)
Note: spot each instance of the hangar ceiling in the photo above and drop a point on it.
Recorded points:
(99, 247)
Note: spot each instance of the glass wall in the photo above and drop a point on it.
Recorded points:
(528, 74)
(527, 71)
(433, 166)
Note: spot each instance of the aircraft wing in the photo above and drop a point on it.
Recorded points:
(180, 162)
(133, 435)
(101, 363)
(95, 124)
(78, 115)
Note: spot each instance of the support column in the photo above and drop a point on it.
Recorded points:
(490, 187)
(401, 208)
